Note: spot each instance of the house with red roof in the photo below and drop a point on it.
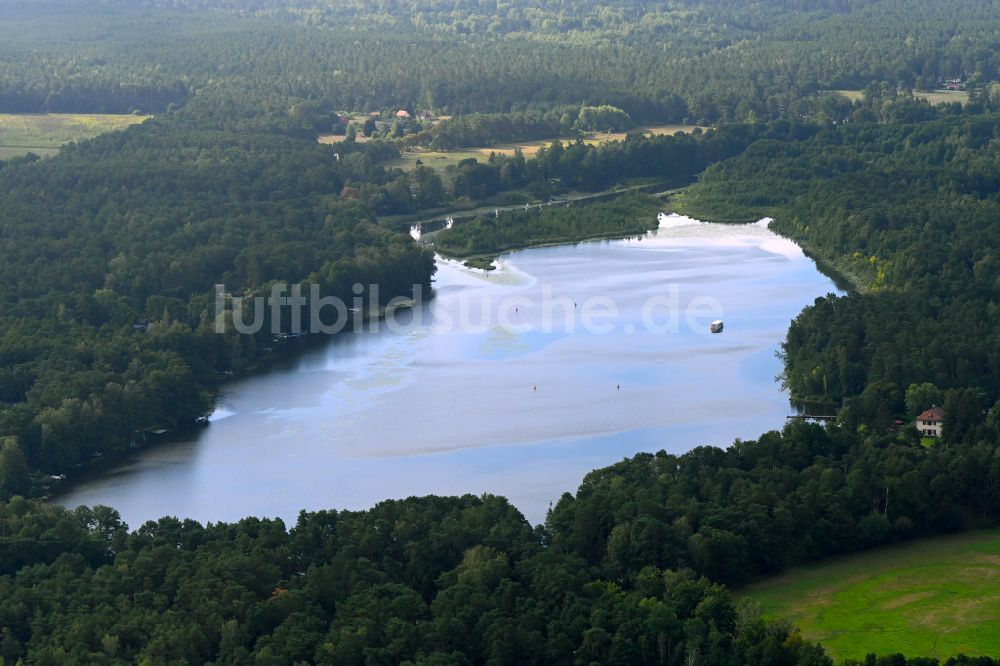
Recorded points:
(931, 422)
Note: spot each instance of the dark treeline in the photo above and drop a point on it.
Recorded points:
(910, 211)
(433, 581)
(761, 506)
(621, 573)
(674, 62)
(580, 166)
(576, 165)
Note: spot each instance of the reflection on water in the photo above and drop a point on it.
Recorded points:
(508, 404)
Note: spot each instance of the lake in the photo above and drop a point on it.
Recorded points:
(515, 382)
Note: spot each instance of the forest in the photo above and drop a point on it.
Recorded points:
(110, 251)
(659, 63)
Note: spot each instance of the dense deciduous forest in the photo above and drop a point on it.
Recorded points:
(431, 581)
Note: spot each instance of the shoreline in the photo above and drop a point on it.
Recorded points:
(101, 483)
(641, 229)
(57, 487)
(60, 487)
(844, 280)
(472, 210)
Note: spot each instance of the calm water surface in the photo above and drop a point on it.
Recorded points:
(504, 404)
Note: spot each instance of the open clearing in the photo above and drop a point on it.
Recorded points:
(935, 97)
(436, 159)
(531, 147)
(43, 134)
(441, 159)
(333, 139)
(944, 96)
(935, 597)
(853, 95)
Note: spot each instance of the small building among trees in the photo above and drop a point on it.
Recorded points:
(931, 422)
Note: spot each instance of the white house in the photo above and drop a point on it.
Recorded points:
(931, 422)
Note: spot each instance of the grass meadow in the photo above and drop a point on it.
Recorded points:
(943, 96)
(43, 134)
(934, 97)
(935, 597)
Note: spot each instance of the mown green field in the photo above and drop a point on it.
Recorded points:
(935, 597)
(43, 134)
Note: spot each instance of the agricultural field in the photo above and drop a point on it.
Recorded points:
(531, 147)
(332, 139)
(436, 159)
(853, 95)
(935, 97)
(441, 159)
(944, 96)
(648, 130)
(935, 597)
(43, 134)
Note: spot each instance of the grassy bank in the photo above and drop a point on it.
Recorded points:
(936, 597)
(487, 236)
(695, 202)
(931, 97)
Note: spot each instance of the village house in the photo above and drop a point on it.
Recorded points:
(403, 113)
(950, 84)
(931, 422)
